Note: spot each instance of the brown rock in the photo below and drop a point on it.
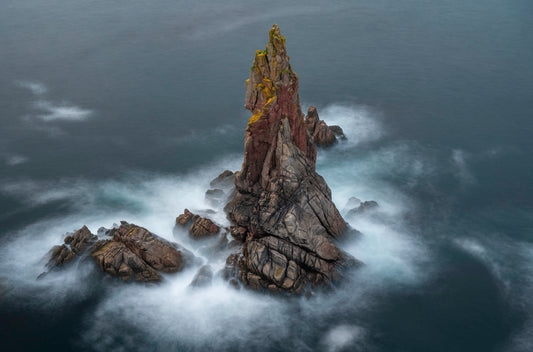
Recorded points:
(337, 130)
(271, 93)
(74, 246)
(200, 227)
(61, 255)
(318, 130)
(81, 240)
(203, 227)
(118, 260)
(133, 253)
(282, 205)
(184, 218)
(238, 232)
(155, 251)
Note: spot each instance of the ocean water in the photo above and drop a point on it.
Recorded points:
(125, 110)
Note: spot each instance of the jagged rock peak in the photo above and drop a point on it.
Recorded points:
(271, 94)
(281, 208)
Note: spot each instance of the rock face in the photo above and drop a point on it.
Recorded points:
(320, 133)
(133, 253)
(74, 246)
(281, 209)
(200, 226)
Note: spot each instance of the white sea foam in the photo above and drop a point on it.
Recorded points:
(36, 88)
(342, 337)
(15, 159)
(462, 171)
(360, 123)
(49, 111)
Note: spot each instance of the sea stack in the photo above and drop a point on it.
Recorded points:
(281, 206)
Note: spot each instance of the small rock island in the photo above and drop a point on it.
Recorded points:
(282, 205)
(284, 223)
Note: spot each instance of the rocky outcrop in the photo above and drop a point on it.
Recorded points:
(337, 130)
(129, 252)
(319, 132)
(115, 259)
(281, 209)
(200, 226)
(153, 250)
(74, 246)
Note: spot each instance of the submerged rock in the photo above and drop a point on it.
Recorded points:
(282, 205)
(363, 208)
(224, 180)
(203, 277)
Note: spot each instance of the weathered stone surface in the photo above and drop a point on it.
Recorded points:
(74, 246)
(200, 227)
(184, 218)
(132, 253)
(337, 130)
(203, 227)
(318, 130)
(238, 232)
(61, 255)
(116, 259)
(282, 205)
(271, 93)
(156, 252)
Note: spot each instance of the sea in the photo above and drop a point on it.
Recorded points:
(125, 110)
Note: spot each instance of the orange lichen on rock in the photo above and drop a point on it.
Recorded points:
(272, 93)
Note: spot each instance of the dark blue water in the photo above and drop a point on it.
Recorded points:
(126, 109)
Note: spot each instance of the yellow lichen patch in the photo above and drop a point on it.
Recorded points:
(267, 83)
(255, 117)
(103, 249)
(268, 103)
(266, 92)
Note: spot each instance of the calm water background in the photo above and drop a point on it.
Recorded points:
(99, 99)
